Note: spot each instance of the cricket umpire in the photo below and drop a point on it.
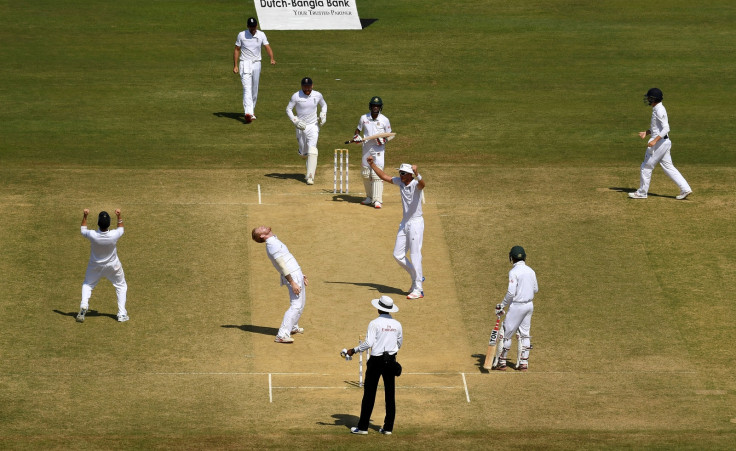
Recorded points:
(384, 338)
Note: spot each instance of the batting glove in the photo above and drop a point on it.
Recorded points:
(499, 309)
(357, 139)
(301, 125)
(381, 141)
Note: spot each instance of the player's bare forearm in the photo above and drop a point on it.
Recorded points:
(270, 53)
(84, 217)
(120, 219)
(236, 57)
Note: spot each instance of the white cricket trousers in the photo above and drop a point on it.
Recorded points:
(307, 138)
(113, 272)
(296, 306)
(410, 236)
(250, 75)
(518, 317)
(660, 153)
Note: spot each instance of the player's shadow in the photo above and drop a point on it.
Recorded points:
(253, 328)
(631, 190)
(240, 117)
(344, 420)
(481, 359)
(90, 314)
(346, 198)
(383, 289)
(282, 176)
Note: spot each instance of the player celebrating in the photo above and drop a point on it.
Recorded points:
(291, 276)
(658, 149)
(519, 296)
(411, 228)
(305, 121)
(370, 124)
(103, 262)
(247, 63)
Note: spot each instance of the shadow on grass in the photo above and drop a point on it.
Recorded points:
(481, 359)
(343, 420)
(90, 314)
(347, 198)
(253, 328)
(240, 117)
(383, 289)
(277, 175)
(631, 190)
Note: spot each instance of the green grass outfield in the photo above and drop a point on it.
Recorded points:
(522, 117)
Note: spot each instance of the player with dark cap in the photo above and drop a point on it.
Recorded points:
(103, 262)
(307, 123)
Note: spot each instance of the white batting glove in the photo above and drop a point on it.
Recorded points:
(499, 309)
(301, 125)
(357, 138)
(381, 141)
(322, 118)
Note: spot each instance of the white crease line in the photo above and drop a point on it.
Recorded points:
(465, 384)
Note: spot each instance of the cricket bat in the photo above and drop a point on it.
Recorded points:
(492, 345)
(388, 136)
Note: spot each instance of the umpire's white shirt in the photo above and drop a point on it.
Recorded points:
(522, 284)
(384, 335)
(411, 199)
(250, 46)
(103, 245)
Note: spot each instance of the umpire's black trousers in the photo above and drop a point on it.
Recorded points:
(379, 366)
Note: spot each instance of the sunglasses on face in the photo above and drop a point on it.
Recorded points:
(403, 173)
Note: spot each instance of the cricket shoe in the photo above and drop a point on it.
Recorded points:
(377, 205)
(415, 294)
(354, 430)
(310, 181)
(253, 117)
(123, 318)
(637, 195)
(283, 340)
(384, 431)
(297, 330)
(366, 201)
(80, 315)
(522, 367)
(683, 195)
(500, 367)
(249, 118)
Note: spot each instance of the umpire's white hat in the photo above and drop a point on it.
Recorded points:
(385, 304)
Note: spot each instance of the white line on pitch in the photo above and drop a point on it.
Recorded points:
(465, 384)
(270, 389)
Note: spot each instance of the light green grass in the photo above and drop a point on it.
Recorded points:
(522, 118)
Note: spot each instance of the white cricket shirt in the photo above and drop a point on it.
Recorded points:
(103, 248)
(522, 284)
(384, 334)
(306, 106)
(369, 127)
(660, 125)
(250, 46)
(275, 250)
(411, 199)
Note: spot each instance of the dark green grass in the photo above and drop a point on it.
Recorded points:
(523, 117)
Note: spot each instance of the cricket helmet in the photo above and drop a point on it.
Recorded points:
(517, 253)
(376, 101)
(654, 95)
(306, 81)
(103, 221)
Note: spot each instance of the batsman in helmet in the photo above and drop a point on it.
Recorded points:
(372, 123)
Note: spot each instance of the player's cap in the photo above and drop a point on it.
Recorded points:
(406, 167)
(306, 81)
(252, 22)
(385, 304)
(103, 221)
(517, 253)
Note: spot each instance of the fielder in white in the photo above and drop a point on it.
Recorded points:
(103, 262)
(307, 123)
(519, 296)
(247, 63)
(291, 276)
(411, 228)
(370, 124)
(658, 149)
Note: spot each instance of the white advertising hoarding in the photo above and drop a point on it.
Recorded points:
(307, 14)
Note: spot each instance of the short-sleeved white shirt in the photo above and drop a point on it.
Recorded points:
(103, 248)
(411, 199)
(384, 334)
(306, 106)
(660, 125)
(250, 46)
(369, 127)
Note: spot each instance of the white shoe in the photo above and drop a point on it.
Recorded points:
(384, 431)
(123, 318)
(354, 430)
(377, 205)
(415, 294)
(310, 181)
(80, 315)
(283, 340)
(637, 195)
(297, 330)
(253, 118)
(683, 195)
(366, 201)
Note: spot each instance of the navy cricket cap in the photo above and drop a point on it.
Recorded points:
(103, 221)
(252, 22)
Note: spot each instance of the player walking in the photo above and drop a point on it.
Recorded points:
(658, 149)
(247, 63)
(291, 276)
(411, 228)
(519, 296)
(370, 124)
(103, 262)
(306, 123)
(384, 338)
